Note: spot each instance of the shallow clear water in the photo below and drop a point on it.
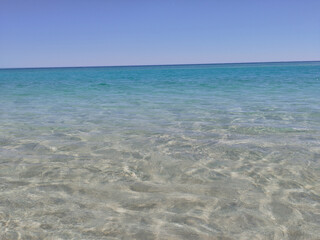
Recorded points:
(163, 152)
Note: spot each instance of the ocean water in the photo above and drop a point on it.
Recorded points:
(227, 151)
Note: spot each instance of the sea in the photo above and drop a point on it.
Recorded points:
(211, 151)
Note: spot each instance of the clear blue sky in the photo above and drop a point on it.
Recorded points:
(40, 33)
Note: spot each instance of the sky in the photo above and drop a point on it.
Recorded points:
(60, 33)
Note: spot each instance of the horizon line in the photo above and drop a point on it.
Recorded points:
(155, 65)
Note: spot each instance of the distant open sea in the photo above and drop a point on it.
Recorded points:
(225, 151)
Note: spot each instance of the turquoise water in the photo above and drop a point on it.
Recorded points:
(225, 151)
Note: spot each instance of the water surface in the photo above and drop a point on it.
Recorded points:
(161, 152)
